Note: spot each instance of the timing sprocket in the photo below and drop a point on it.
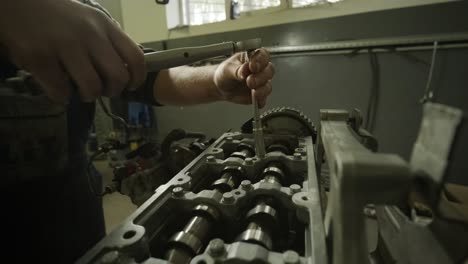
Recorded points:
(284, 120)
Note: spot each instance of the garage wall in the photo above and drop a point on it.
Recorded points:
(339, 81)
(145, 21)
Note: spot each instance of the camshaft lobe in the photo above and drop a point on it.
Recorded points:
(262, 218)
(231, 175)
(189, 242)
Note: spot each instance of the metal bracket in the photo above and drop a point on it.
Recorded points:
(358, 177)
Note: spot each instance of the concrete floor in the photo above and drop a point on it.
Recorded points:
(116, 206)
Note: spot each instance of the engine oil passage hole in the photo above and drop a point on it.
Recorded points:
(201, 262)
(237, 193)
(129, 234)
(180, 179)
(304, 198)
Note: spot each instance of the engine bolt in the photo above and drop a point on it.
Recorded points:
(297, 155)
(110, 257)
(228, 197)
(178, 191)
(249, 161)
(246, 185)
(295, 188)
(300, 150)
(290, 257)
(370, 211)
(229, 139)
(216, 247)
(210, 158)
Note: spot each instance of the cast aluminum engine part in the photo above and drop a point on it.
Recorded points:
(180, 147)
(270, 206)
(228, 206)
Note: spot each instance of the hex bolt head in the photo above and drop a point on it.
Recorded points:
(228, 197)
(246, 185)
(291, 257)
(249, 161)
(110, 257)
(300, 150)
(216, 247)
(295, 188)
(370, 212)
(210, 158)
(229, 139)
(178, 191)
(297, 156)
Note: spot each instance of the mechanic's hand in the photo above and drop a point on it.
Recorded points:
(236, 76)
(66, 44)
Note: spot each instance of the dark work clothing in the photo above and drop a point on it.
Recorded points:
(57, 218)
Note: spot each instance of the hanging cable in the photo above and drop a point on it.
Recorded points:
(428, 92)
(106, 147)
(117, 118)
(111, 115)
(374, 93)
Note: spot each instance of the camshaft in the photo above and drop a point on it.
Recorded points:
(188, 242)
(262, 218)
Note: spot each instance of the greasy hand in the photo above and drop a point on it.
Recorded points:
(236, 76)
(66, 44)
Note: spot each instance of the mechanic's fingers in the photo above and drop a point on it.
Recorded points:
(111, 68)
(81, 70)
(234, 71)
(263, 92)
(243, 71)
(132, 55)
(261, 78)
(53, 80)
(259, 60)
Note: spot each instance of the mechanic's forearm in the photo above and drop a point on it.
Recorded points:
(186, 86)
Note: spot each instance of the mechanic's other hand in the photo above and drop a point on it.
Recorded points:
(66, 44)
(236, 76)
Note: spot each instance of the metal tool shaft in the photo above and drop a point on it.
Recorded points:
(165, 59)
(257, 128)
